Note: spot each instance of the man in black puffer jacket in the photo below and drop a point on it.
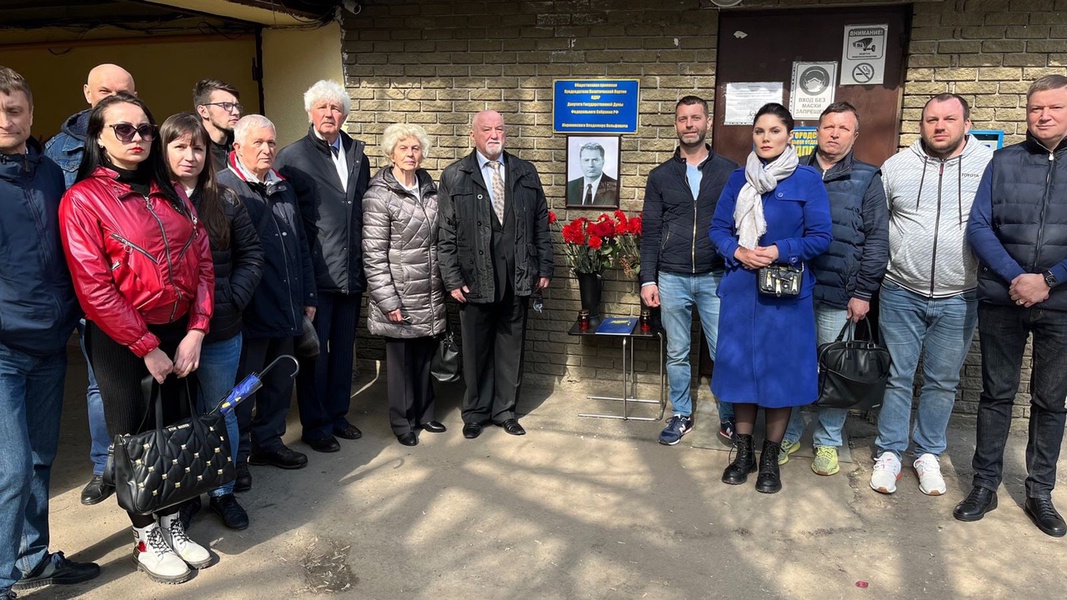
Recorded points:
(1018, 230)
(848, 274)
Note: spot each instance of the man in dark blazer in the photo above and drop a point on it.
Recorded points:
(330, 173)
(495, 250)
(594, 188)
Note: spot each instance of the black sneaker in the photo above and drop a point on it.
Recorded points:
(231, 513)
(96, 491)
(57, 570)
(726, 432)
(243, 483)
(283, 458)
(677, 426)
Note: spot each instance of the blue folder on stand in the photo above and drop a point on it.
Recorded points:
(617, 326)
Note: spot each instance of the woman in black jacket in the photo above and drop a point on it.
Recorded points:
(238, 258)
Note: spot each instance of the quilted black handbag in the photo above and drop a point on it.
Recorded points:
(852, 372)
(444, 366)
(164, 467)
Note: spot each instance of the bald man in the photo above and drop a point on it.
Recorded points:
(492, 201)
(66, 149)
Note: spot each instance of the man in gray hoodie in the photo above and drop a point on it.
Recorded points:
(927, 305)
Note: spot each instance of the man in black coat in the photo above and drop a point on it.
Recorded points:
(219, 106)
(285, 294)
(495, 250)
(330, 173)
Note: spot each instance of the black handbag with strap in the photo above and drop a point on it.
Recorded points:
(166, 466)
(852, 372)
(781, 280)
(445, 364)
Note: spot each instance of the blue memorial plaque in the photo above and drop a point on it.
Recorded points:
(605, 106)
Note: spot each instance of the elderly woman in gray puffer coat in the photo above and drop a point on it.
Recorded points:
(406, 295)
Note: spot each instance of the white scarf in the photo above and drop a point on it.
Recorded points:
(759, 179)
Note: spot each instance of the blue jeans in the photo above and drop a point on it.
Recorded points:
(828, 324)
(217, 374)
(938, 330)
(101, 441)
(31, 401)
(678, 295)
(1004, 331)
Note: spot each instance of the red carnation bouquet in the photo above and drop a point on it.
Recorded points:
(591, 246)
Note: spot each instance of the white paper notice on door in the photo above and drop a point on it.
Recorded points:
(863, 57)
(744, 99)
(813, 89)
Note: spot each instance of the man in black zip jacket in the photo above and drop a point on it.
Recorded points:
(1017, 229)
(680, 269)
(330, 173)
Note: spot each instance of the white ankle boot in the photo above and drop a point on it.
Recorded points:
(156, 558)
(193, 554)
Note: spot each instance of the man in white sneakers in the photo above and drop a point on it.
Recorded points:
(927, 304)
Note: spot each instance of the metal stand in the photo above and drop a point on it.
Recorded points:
(629, 378)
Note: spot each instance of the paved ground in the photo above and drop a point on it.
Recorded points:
(578, 508)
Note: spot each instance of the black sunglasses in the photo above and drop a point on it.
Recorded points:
(124, 132)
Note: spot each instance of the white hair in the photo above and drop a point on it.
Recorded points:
(249, 123)
(402, 131)
(331, 91)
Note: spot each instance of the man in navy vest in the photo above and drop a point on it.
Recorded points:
(850, 272)
(1017, 230)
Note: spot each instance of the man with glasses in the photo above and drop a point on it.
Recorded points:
(66, 149)
(219, 108)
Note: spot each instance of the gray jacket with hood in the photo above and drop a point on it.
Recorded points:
(929, 202)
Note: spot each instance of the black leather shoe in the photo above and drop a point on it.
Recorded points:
(744, 460)
(188, 510)
(1044, 515)
(348, 432)
(243, 483)
(96, 491)
(472, 430)
(408, 439)
(283, 458)
(328, 444)
(769, 480)
(512, 427)
(434, 427)
(57, 570)
(231, 513)
(975, 505)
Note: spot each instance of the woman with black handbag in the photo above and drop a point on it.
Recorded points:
(142, 270)
(407, 297)
(772, 218)
(238, 259)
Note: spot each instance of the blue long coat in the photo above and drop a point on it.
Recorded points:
(766, 352)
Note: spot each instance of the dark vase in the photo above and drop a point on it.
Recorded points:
(590, 285)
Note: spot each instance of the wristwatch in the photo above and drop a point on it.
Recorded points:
(1050, 279)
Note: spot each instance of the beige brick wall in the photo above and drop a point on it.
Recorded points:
(436, 63)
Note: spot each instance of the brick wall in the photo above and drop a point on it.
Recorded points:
(436, 63)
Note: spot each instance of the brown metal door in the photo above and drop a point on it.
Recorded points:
(762, 46)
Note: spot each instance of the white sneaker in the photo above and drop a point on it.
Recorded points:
(157, 559)
(193, 554)
(886, 473)
(928, 469)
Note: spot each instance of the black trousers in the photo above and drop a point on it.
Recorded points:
(324, 385)
(119, 373)
(407, 368)
(1004, 331)
(264, 431)
(493, 340)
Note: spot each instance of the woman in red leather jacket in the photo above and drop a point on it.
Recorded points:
(142, 270)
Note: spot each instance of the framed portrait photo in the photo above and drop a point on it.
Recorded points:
(593, 171)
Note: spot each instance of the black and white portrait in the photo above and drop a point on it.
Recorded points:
(592, 171)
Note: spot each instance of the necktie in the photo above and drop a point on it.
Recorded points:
(588, 194)
(498, 191)
(335, 150)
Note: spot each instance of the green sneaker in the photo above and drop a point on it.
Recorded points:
(825, 462)
(788, 447)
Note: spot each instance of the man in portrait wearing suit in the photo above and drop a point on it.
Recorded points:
(330, 173)
(594, 188)
(495, 250)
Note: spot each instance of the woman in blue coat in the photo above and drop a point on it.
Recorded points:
(771, 211)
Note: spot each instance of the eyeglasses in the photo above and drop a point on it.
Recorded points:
(124, 132)
(226, 106)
